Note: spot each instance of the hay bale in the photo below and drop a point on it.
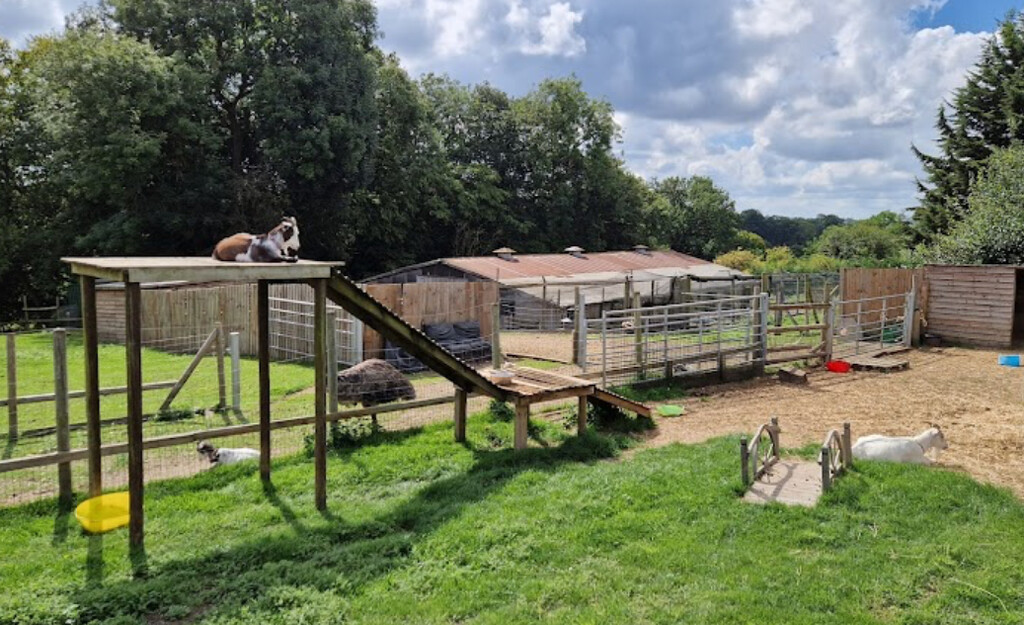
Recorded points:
(373, 382)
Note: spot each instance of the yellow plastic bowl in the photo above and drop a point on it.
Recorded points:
(103, 513)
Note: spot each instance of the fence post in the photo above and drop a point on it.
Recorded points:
(718, 340)
(12, 387)
(830, 328)
(780, 298)
(909, 310)
(332, 362)
(847, 445)
(638, 338)
(763, 329)
(581, 330)
(826, 467)
(219, 349)
(604, 349)
(357, 340)
(496, 359)
(234, 346)
(744, 461)
(60, 393)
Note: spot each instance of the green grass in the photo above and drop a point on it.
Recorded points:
(423, 530)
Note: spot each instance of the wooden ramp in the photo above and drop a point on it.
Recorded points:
(790, 482)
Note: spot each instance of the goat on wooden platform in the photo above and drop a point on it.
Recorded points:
(910, 449)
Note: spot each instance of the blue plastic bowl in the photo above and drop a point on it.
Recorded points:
(1010, 360)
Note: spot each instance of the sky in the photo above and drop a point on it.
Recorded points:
(795, 107)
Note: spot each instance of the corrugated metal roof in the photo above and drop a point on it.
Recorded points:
(566, 265)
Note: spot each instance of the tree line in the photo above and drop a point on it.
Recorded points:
(157, 128)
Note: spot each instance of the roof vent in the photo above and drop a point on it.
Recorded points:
(642, 249)
(574, 250)
(505, 253)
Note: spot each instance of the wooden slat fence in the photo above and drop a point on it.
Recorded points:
(867, 285)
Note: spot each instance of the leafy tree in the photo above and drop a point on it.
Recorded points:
(986, 113)
(860, 240)
(698, 218)
(740, 260)
(796, 233)
(746, 240)
(992, 232)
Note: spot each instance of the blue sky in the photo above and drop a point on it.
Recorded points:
(795, 107)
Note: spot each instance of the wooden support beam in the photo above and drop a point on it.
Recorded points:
(744, 461)
(42, 398)
(12, 387)
(320, 387)
(522, 424)
(190, 369)
(460, 415)
(133, 347)
(90, 339)
(263, 331)
(218, 347)
(60, 390)
(581, 415)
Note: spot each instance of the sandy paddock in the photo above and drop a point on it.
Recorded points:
(979, 405)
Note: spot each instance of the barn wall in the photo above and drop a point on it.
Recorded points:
(972, 304)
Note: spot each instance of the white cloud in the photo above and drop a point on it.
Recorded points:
(793, 106)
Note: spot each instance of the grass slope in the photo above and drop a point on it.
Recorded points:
(423, 530)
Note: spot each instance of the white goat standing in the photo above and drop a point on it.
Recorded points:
(226, 455)
(911, 449)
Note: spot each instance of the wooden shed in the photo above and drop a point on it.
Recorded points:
(979, 305)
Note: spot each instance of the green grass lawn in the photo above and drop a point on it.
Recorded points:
(423, 530)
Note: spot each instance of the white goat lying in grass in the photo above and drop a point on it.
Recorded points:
(913, 449)
(225, 455)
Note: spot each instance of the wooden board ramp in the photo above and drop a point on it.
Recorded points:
(791, 482)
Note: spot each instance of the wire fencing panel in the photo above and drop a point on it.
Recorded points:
(676, 340)
(872, 324)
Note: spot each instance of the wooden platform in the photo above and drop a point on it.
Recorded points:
(790, 482)
(868, 362)
(192, 269)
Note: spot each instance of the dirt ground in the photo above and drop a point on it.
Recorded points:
(978, 404)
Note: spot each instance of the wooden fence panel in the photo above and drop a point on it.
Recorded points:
(867, 283)
(974, 305)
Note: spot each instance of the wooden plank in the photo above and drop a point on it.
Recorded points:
(803, 328)
(320, 388)
(133, 348)
(460, 415)
(195, 269)
(348, 295)
(112, 390)
(12, 386)
(189, 370)
(797, 307)
(87, 285)
(60, 390)
(263, 345)
(608, 397)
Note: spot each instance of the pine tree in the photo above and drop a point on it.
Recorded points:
(986, 113)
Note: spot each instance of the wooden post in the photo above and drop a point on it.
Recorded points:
(87, 284)
(522, 424)
(826, 463)
(638, 334)
(332, 361)
(263, 321)
(830, 329)
(847, 445)
(744, 461)
(581, 416)
(576, 330)
(718, 341)
(60, 394)
(133, 347)
(685, 288)
(320, 386)
(581, 330)
(779, 299)
(234, 346)
(604, 349)
(627, 296)
(12, 387)
(460, 415)
(221, 386)
(496, 359)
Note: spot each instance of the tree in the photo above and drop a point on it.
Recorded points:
(986, 113)
(746, 240)
(993, 230)
(698, 218)
(862, 240)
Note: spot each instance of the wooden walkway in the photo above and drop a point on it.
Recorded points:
(790, 482)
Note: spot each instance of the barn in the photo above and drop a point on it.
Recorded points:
(538, 290)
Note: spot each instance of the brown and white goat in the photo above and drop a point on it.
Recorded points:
(280, 245)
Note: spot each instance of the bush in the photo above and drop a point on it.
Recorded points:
(344, 434)
(606, 417)
(176, 413)
(740, 260)
(500, 411)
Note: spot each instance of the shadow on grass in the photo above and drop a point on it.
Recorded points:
(318, 557)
